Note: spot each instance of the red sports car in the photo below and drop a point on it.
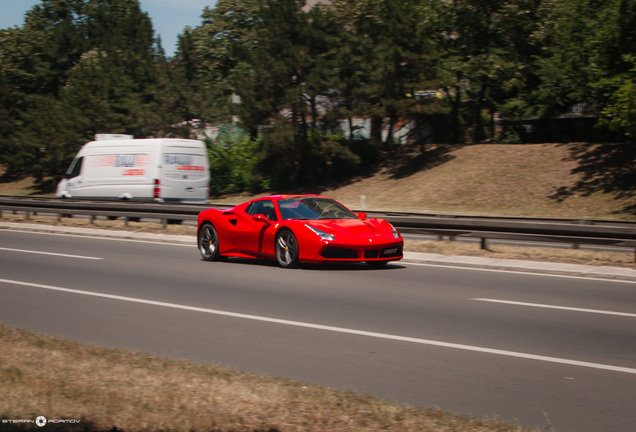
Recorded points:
(295, 229)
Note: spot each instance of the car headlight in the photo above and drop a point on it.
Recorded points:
(395, 232)
(320, 233)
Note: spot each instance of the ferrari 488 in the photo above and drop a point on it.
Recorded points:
(295, 229)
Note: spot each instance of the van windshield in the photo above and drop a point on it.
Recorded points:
(76, 168)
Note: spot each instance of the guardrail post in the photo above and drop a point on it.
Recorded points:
(91, 219)
(59, 217)
(164, 222)
(27, 215)
(126, 220)
(484, 244)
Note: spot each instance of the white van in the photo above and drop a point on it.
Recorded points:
(161, 170)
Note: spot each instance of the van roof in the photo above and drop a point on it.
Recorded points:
(150, 142)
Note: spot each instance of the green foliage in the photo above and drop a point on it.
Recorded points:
(281, 162)
(81, 67)
(387, 54)
(484, 50)
(322, 160)
(582, 43)
(620, 114)
(234, 163)
(76, 68)
(334, 159)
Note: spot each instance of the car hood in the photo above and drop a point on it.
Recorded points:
(353, 227)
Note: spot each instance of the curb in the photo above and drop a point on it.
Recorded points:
(104, 233)
(522, 266)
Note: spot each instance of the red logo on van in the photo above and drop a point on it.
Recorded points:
(190, 168)
(135, 172)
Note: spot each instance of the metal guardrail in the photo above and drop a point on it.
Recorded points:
(128, 211)
(573, 232)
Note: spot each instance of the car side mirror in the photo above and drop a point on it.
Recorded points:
(260, 218)
(362, 216)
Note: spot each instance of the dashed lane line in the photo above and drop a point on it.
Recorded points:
(384, 336)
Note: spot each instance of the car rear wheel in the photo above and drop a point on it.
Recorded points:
(287, 249)
(208, 242)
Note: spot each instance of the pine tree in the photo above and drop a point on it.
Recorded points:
(80, 68)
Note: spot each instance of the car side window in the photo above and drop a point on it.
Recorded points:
(265, 208)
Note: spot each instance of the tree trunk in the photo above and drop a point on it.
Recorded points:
(376, 130)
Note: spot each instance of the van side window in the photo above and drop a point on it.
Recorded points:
(75, 169)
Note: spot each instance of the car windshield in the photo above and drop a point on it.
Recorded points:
(313, 208)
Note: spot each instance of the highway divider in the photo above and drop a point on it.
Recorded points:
(451, 227)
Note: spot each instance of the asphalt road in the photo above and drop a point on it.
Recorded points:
(543, 351)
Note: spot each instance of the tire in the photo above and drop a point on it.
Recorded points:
(287, 252)
(208, 242)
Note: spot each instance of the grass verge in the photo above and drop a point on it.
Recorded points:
(529, 253)
(119, 390)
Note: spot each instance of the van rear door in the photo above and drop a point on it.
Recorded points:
(185, 172)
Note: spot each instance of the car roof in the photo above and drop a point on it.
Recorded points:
(282, 197)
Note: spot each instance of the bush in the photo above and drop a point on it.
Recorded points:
(281, 159)
(234, 165)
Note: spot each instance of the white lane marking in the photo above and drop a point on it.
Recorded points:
(333, 329)
(85, 236)
(520, 272)
(406, 262)
(567, 308)
(50, 253)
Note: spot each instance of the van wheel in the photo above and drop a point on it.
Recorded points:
(208, 242)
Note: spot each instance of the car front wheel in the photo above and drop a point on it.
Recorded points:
(208, 242)
(287, 249)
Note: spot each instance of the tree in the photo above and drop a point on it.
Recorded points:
(213, 52)
(389, 58)
(620, 113)
(582, 43)
(77, 68)
(275, 85)
(483, 56)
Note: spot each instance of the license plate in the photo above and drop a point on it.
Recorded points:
(390, 251)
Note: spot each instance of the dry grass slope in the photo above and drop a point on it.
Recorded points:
(531, 180)
(113, 390)
(572, 181)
